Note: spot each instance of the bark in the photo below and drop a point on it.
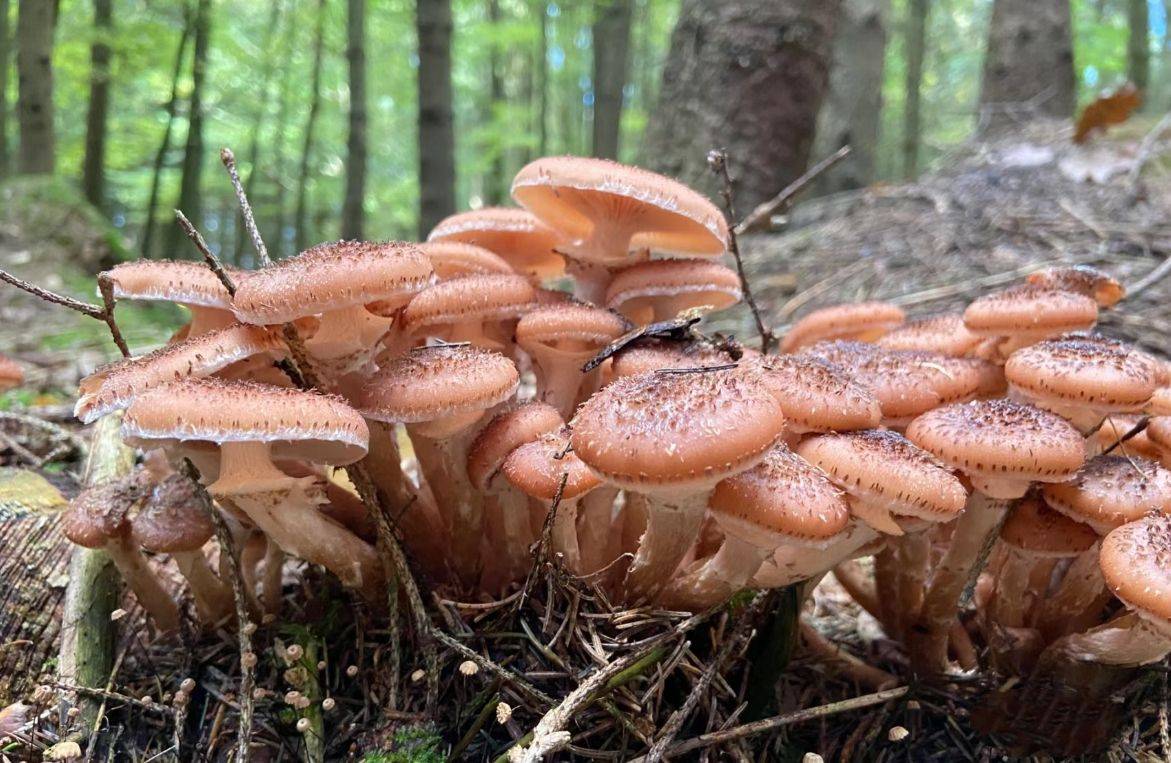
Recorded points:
(611, 34)
(5, 59)
(190, 186)
(747, 75)
(915, 45)
(1138, 47)
(165, 145)
(301, 219)
(93, 177)
(1028, 66)
(494, 184)
(352, 215)
(542, 84)
(436, 120)
(852, 110)
(34, 67)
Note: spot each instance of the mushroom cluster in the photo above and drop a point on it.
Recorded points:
(492, 411)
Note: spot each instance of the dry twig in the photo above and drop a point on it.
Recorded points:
(103, 314)
(760, 216)
(229, 161)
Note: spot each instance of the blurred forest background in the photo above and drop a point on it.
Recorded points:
(129, 101)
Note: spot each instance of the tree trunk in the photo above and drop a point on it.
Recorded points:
(93, 177)
(611, 34)
(852, 111)
(165, 145)
(5, 60)
(301, 220)
(541, 9)
(436, 121)
(352, 215)
(191, 184)
(34, 65)
(1028, 67)
(915, 46)
(748, 75)
(1138, 46)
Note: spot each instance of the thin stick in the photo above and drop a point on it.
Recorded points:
(229, 161)
(542, 545)
(718, 161)
(1133, 432)
(504, 674)
(212, 261)
(767, 209)
(244, 625)
(85, 308)
(106, 289)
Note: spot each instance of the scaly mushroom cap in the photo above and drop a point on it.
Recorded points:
(1001, 439)
(816, 395)
(646, 355)
(172, 519)
(504, 434)
(571, 327)
(11, 374)
(1159, 433)
(296, 423)
(1093, 371)
(1159, 404)
(676, 430)
(330, 277)
(1033, 527)
(882, 467)
(431, 383)
(101, 512)
(1112, 490)
(782, 499)
(516, 235)
(536, 469)
(1081, 279)
(682, 284)
(861, 321)
(944, 334)
(1136, 563)
(472, 299)
(114, 386)
(454, 259)
(1030, 311)
(186, 283)
(575, 195)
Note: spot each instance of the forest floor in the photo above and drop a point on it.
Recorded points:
(997, 211)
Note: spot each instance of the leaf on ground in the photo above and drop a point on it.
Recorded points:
(1109, 109)
(25, 492)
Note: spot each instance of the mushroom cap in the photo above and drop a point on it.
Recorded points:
(1136, 563)
(1159, 432)
(536, 468)
(505, 433)
(781, 499)
(944, 334)
(1115, 427)
(455, 259)
(883, 467)
(516, 235)
(1159, 404)
(295, 423)
(186, 283)
(1033, 527)
(570, 327)
(686, 283)
(575, 195)
(1030, 311)
(431, 383)
(472, 299)
(113, 386)
(681, 431)
(332, 276)
(100, 512)
(1091, 371)
(646, 355)
(816, 395)
(1081, 279)
(172, 518)
(1112, 490)
(1001, 439)
(863, 321)
(11, 373)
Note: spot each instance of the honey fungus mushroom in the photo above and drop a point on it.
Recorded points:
(1081, 279)
(233, 430)
(661, 289)
(1027, 313)
(190, 284)
(11, 374)
(472, 309)
(515, 235)
(861, 321)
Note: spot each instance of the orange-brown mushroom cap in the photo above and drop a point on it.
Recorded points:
(860, 321)
(455, 259)
(505, 433)
(101, 512)
(1112, 490)
(816, 395)
(571, 326)
(1081, 279)
(516, 235)
(646, 355)
(1092, 371)
(661, 289)
(1136, 563)
(1033, 527)
(538, 467)
(1159, 433)
(329, 277)
(944, 334)
(676, 430)
(185, 283)
(172, 519)
(11, 374)
(1030, 311)
(472, 299)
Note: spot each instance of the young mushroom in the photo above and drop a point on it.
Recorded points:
(1081, 279)
(190, 284)
(668, 439)
(662, 289)
(453, 259)
(944, 334)
(1025, 314)
(470, 309)
(859, 321)
(516, 235)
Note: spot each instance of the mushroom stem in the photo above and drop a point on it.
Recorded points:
(564, 535)
(213, 599)
(204, 320)
(1080, 589)
(595, 528)
(887, 584)
(913, 555)
(1126, 640)
(443, 463)
(793, 563)
(981, 517)
(559, 378)
(347, 331)
(1009, 602)
(272, 584)
(673, 520)
(846, 663)
(710, 581)
(510, 535)
(590, 280)
(854, 580)
(251, 553)
(131, 563)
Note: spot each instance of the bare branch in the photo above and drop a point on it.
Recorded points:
(760, 216)
(212, 261)
(229, 161)
(105, 315)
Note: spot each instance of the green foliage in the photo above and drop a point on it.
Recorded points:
(412, 744)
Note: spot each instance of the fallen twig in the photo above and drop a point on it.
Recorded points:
(212, 261)
(103, 314)
(229, 161)
(767, 209)
(1131, 433)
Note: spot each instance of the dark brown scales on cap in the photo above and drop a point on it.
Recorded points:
(646, 355)
(945, 334)
(816, 395)
(1032, 312)
(185, 283)
(1112, 490)
(1081, 279)
(102, 512)
(1094, 371)
(1033, 527)
(1136, 562)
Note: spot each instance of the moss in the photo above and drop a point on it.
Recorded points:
(50, 216)
(412, 744)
